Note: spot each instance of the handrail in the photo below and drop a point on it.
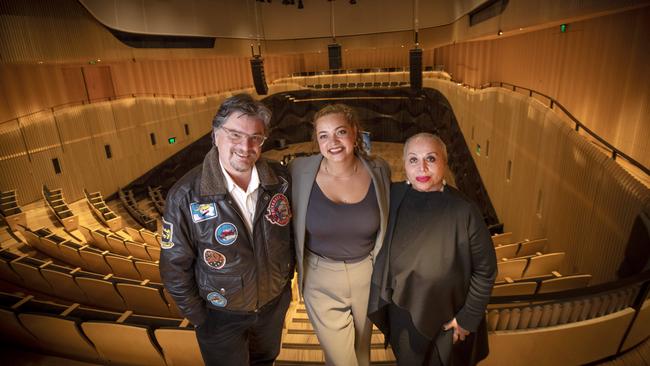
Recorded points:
(640, 278)
(578, 125)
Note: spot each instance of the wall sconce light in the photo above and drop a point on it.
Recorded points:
(500, 32)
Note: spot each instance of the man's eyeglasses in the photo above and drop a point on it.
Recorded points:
(237, 137)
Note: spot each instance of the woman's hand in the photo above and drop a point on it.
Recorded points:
(459, 332)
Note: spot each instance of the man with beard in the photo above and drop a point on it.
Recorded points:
(228, 266)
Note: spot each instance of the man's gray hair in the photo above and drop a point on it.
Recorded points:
(427, 135)
(245, 104)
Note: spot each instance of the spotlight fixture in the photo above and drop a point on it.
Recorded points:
(352, 2)
(500, 32)
(300, 5)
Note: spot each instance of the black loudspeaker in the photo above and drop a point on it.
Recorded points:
(334, 53)
(415, 63)
(257, 67)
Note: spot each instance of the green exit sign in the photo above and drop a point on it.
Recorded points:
(171, 140)
(563, 28)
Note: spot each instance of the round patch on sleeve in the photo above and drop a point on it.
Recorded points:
(226, 233)
(278, 211)
(217, 299)
(214, 259)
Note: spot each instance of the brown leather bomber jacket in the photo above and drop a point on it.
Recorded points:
(209, 258)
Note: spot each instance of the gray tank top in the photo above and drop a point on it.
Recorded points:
(341, 231)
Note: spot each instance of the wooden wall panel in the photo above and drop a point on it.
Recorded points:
(99, 82)
(597, 69)
(588, 202)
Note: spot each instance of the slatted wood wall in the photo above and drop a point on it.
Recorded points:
(598, 69)
(561, 186)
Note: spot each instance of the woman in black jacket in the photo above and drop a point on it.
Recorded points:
(433, 277)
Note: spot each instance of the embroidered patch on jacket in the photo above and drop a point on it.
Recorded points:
(217, 299)
(278, 212)
(203, 211)
(226, 233)
(214, 259)
(167, 235)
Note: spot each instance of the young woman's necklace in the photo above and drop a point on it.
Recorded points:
(354, 171)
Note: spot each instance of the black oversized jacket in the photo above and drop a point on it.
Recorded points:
(209, 258)
(434, 295)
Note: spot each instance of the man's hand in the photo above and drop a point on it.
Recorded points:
(459, 332)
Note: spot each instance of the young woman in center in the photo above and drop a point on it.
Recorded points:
(340, 199)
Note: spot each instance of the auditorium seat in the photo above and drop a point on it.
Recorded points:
(173, 308)
(544, 264)
(154, 252)
(143, 300)
(94, 260)
(500, 239)
(123, 344)
(87, 233)
(60, 336)
(512, 269)
(564, 283)
(49, 247)
(134, 234)
(148, 271)
(99, 239)
(531, 247)
(150, 238)
(514, 289)
(137, 250)
(117, 245)
(70, 254)
(8, 274)
(63, 283)
(13, 332)
(28, 269)
(506, 251)
(179, 345)
(122, 266)
(101, 292)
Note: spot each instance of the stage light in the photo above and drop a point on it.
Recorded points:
(300, 5)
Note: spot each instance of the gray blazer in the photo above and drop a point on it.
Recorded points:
(303, 175)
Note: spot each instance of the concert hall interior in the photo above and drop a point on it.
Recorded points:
(106, 104)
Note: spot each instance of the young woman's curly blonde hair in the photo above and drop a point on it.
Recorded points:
(350, 117)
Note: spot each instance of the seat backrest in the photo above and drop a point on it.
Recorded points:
(70, 255)
(123, 344)
(134, 234)
(32, 277)
(95, 262)
(117, 245)
(506, 251)
(544, 264)
(564, 283)
(13, 332)
(101, 293)
(179, 345)
(513, 269)
(149, 271)
(64, 286)
(500, 239)
(9, 274)
(143, 300)
(514, 289)
(154, 252)
(123, 267)
(99, 240)
(532, 247)
(137, 250)
(59, 336)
